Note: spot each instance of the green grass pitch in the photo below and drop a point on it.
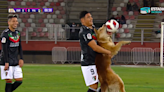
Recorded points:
(69, 78)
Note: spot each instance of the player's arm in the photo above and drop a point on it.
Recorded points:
(4, 41)
(20, 49)
(21, 62)
(89, 40)
(97, 48)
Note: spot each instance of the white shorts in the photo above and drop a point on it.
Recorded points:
(90, 74)
(13, 72)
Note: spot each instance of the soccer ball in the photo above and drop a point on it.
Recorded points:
(112, 25)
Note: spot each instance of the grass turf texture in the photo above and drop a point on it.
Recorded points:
(69, 78)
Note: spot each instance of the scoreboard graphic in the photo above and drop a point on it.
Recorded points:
(17, 10)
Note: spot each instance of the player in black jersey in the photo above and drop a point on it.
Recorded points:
(11, 47)
(89, 48)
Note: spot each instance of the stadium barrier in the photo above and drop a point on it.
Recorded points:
(157, 56)
(73, 54)
(125, 55)
(59, 54)
(142, 55)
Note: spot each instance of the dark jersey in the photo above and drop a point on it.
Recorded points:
(11, 47)
(85, 36)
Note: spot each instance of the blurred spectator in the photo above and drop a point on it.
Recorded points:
(145, 3)
(78, 27)
(135, 7)
(122, 20)
(118, 18)
(77, 32)
(72, 33)
(73, 27)
(129, 6)
(113, 17)
(162, 20)
(158, 32)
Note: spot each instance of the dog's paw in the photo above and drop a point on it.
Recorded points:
(127, 42)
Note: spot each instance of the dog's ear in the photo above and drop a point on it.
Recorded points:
(103, 25)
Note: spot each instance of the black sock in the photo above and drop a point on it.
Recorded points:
(16, 84)
(8, 87)
(91, 90)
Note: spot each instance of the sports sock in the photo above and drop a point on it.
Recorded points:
(16, 84)
(8, 87)
(91, 90)
(99, 89)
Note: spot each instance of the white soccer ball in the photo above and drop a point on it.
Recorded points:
(112, 25)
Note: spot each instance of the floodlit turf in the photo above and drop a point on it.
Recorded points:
(68, 78)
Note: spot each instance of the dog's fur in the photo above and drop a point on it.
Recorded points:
(110, 81)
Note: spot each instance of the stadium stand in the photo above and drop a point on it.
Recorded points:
(98, 8)
(33, 21)
(68, 12)
(126, 30)
(135, 21)
(4, 13)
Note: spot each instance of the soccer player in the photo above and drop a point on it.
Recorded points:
(11, 47)
(89, 48)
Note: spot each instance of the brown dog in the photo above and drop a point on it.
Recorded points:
(110, 81)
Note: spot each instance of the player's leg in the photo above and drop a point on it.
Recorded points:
(99, 89)
(8, 87)
(17, 83)
(7, 76)
(18, 76)
(90, 77)
(93, 87)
